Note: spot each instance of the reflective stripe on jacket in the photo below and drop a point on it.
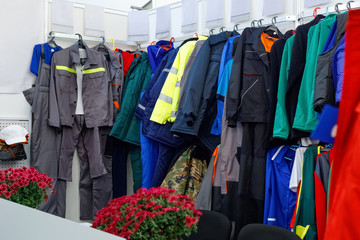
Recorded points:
(167, 104)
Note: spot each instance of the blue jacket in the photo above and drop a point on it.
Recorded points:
(153, 130)
(223, 83)
(220, 95)
(156, 53)
(338, 69)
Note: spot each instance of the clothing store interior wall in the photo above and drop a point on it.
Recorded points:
(20, 34)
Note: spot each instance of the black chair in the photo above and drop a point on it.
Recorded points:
(266, 232)
(212, 226)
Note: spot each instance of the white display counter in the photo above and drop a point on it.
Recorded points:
(18, 222)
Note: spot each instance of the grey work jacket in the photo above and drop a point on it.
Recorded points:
(96, 89)
(115, 63)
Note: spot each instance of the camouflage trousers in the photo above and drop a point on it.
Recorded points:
(187, 174)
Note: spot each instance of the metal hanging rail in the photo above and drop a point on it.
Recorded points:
(91, 39)
(330, 9)
(262, 22)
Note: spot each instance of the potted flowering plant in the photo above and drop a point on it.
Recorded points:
(149, 214)
(25, 186)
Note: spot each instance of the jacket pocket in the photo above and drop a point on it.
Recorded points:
(96, 80)
(253, 98)
(64, 82)
(252, 63)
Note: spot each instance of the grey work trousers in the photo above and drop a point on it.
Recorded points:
(95, 193)
(95, 185)
(45, 140)
(91, 141)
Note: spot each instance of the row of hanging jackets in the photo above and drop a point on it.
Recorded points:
(168, 107)
(276, 86)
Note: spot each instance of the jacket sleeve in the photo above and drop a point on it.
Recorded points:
(141, 107)
(110, 94)
(234, 88)
(117, 83)
(54, 115)
(195, 84)
(162, 110)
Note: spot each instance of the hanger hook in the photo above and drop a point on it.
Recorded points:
(327, 10)
(337, 7)
(301, 16)
(221, 29)
(348, 5)
(253, 23)
(273, 20)
(260, 22)
(80, 37)
(51, 33)
(103, 39)
(236, 27)
(211, 32)
(315, 11)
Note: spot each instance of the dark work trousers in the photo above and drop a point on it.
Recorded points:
(163, 164)
(95, 193)
(119, 167)
(91, 140)
(45, 140)
(120, 154)
(252, 174)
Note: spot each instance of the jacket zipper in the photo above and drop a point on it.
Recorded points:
(241, 100)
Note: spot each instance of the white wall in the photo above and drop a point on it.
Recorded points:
(15, 106)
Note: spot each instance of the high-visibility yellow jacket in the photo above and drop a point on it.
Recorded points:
(167, 104)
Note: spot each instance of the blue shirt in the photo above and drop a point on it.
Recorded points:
(48, 51)
(280, 201)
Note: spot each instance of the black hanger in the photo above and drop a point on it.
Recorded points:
(348, 5)
(102, 44)
(273, 20)
(259, 22)
(80, 42)
(253, 23)
(51, 41)
(337, 8)
(138, 51)
(103, 49)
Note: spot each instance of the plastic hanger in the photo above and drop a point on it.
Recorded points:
(51, 41)
(113, 43)
(348, 5)
(80, 41)
(315, 11)
(137, 52)
(337, 8)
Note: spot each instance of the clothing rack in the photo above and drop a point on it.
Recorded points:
(91, 39)
(329, 9)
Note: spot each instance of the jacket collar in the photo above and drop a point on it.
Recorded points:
(137, 60)
(75, 56)
(341, 23)
(113, 60)
(221, 37)
(258, 46)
